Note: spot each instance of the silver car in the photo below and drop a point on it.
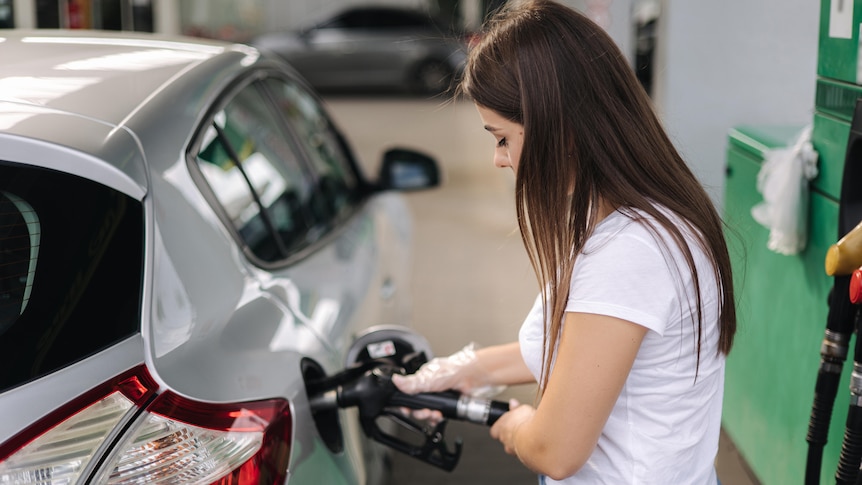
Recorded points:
(374, 47)
(185, 241)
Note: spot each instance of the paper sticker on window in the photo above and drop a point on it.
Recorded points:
(381, 349)
(841, 19)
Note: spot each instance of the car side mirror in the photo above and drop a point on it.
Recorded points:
(405, 170)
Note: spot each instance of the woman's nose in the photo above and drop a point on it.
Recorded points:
(501, 161)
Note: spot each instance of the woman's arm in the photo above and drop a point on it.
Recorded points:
(503, 365)
(468, 370)
(594, 357)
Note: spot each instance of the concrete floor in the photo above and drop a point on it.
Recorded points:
(472, 281)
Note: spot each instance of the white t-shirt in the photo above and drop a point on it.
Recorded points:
(664, 427)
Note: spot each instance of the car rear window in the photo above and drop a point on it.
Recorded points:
(71, 267)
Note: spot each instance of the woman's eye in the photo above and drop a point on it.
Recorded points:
(502, 142)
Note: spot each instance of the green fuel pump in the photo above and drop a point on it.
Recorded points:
(842, 259)
(784, 301)
(837, 122)
(838, 96)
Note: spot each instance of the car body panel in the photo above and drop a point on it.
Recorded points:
(78, 145)
(52, 71)
(215, 326)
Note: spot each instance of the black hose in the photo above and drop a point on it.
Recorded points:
(833, 351)
(818, 426)
(851, 449)
(813, 465)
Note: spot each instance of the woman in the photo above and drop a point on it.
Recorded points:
(629, 251)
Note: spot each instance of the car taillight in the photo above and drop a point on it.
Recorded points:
(175, 440)
(184, 441)
(57, 448)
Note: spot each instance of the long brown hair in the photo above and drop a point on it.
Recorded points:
(590, 136)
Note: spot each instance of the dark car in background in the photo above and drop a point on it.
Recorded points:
(374, 47)
(186, 240)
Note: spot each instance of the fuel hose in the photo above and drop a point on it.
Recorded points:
(833, 353)
(842, 259)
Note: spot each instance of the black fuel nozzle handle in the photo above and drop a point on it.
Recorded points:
(371, 394)
(375, 395)
(374, 391)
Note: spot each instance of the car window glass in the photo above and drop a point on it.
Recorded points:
(379, 19)
(336, 183)
(250, 164)
(71, 270)
(346, 20)
(396, 20)
(350, 20)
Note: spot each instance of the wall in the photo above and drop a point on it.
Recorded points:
(721, 64)
(615, 16)
(22, 10)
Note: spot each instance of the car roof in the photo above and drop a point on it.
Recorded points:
(98, 83)
(64, 70)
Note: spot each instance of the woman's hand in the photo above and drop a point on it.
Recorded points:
(479, 373)
(507, 426)
(457, 371)
(482, 373)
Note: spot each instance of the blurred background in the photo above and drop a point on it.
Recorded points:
(710, 68)
(708, 65)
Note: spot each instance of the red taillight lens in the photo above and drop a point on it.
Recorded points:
(176, 440)
(270, 418)
(269, 465)
(185, 441)
(57, 448)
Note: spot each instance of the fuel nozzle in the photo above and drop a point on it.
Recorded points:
(375, 395)
(845, 256)
(366, 384)
(372, 394)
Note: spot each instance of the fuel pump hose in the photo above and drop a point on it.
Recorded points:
(833, 353)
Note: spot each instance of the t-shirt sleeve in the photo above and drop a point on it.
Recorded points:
(626, 277)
